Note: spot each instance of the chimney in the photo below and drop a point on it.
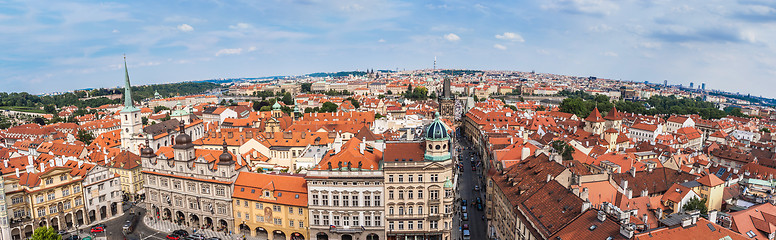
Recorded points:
(17, 172)
(633, 171)
(80, 163)
(601, 216)
(629, 193)
(644, 192)
(659, 214)
(584, 195)
(5, 163)
(525, 153)
(410, 136)
(549, 177)
(713, 216)
(644, 218)
(626, 230)
(624, 184)
(694, 215)
(30, 160)
(42, 167)
(30, 168)
(362, 145)
(585, 205)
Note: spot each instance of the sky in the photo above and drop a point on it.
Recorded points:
(49, 46)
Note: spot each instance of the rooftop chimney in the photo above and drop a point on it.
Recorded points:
(525, 153)
(626, 230)
(549, 177)
(5, 163)
(42, 167)
(17, 172)
(362, 145)
(30, 160)
(713, 216)
(601, 216)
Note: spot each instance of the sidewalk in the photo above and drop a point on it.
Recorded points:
(168, 227)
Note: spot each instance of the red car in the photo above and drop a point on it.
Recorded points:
(97, 229)
(173, 237)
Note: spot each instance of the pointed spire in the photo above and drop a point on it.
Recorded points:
(128, 105)
(127, 87)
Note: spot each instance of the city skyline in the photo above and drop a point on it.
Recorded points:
(65, 46)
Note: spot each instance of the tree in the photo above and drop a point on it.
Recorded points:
(49, 109)
(46, 233)
(433, 95)
(379, 116)
(328, 107)
(39, 121)
(265, 108)
(510, 107)
(389, 92)
(564, 149)
(306, 87)
(695, 204)
(540, 108)
(380, 96)
(765, 130)
(144, 120)
(354, 102)
(288, 99)
(160, 108)
(85, 136)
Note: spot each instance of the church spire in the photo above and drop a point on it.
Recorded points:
(127, 88)
(128, 105)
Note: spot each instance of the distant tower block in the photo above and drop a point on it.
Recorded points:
(703, 86)
(434, 63)
(691, 85)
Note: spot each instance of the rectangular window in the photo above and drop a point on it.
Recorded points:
(435, 194)
(41, 212)
(434, 224)
(434, 210)
(355, 201)
(76, 189)
(336, 220)
(420, 178)
(301, 224)
(315, 199)
(410, 225)
(390, 178)
(420, 194)
(290, 210)
(276, 208)
(345, 220)
(367, 201)
(65, 192)
(390, 194)
(345, 200)
(378, 221)
(300, 211)
(401, 225)
(401, 178)
(220, 191)
(377, 201)
(291, 223)
(205, 189)
(53, 209)
(78, 202)
(316, 220)
(420, 225)
(335, 200)
(278, 221)
(390, 225)
(448, 193)
(409, 178)
(367, 221)
(325, 219)
(325, 201)
(51, 196)
(259, 218)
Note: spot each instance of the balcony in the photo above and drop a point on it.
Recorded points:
(346, 229)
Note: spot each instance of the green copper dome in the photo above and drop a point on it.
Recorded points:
(437, 130)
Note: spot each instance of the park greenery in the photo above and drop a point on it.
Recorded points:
(26, 102)
(46, 233)
(417, 93)
(582, 103)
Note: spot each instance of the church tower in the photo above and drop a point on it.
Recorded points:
(447, 101)
(437, 141)
(131, 124)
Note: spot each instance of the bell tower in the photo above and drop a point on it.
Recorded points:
(130, 117)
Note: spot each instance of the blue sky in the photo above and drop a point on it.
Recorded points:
(56, 45)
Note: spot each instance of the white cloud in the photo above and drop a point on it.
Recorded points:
(240, 26)
(185, 28)
(600, 28)
(229, 51)
(115, 31)
(381, 40)
(511, 37)
(252, 48)
(588, 7)
(610, 54)
(500, 47)
(452, 37)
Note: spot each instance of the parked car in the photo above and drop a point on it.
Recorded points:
(173, 237)
(463, 209)
(196, 236)
(465, 226)
(97, 229)
(465, 217)
(463, 202)
(476, 187)
(180, 232)
(479, 200)
(479, 206)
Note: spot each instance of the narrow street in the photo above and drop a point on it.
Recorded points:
(468, 179)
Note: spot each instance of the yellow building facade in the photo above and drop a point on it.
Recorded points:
(270, 206)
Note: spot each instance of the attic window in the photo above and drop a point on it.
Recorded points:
(253, 190)
(266, 193)
(280, 194)
(242, 189)
(296, 196)
(593, 227)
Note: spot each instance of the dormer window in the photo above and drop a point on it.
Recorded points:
(266, 194)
